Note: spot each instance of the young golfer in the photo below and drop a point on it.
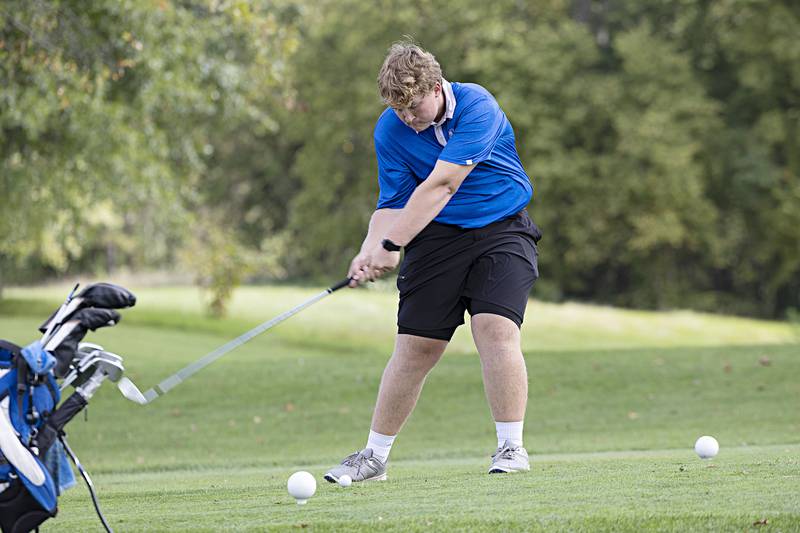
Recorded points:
(452, 195)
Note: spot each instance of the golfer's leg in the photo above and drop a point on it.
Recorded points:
(505, 377)
(402, 381)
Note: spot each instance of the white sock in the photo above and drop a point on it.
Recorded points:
(509, 431)
(381, 445)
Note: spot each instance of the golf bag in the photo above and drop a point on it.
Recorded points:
(33, 448)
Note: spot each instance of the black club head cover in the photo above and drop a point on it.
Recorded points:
(94, 317)
(65, 342)
(107, 295)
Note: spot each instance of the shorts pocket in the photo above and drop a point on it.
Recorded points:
(404, 276)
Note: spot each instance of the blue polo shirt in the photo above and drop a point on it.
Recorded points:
(473, 130)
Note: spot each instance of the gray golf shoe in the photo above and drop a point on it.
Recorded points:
(360, 466)
(509, 458)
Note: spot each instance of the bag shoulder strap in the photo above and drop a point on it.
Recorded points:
(10, 347)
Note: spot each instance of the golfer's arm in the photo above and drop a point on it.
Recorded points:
(428, 199)
(379, 224)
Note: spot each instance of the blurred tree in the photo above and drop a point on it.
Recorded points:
(662, 137)
(755, 46)
(613, 141)
(610, 141)
(72, 137)
(746, 55)
(332, 112)
(118, 108)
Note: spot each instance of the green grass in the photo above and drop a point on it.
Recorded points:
(666, 491)
(617, 399)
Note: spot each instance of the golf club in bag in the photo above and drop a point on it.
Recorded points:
(132, 392)
(33, 448)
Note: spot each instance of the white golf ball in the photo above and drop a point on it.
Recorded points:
(706, 447)
(345, 480)
(301, 486)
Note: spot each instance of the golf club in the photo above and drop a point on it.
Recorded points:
(89, 356)
(66, 308)
(132, 392)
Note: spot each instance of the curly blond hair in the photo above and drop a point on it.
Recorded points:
(408, 72)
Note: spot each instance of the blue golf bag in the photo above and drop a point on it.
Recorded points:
(33, 447)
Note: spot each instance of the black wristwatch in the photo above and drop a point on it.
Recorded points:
(389, 246)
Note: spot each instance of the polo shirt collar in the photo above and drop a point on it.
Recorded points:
(449, 103)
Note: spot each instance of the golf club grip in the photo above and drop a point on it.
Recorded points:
(344, 283)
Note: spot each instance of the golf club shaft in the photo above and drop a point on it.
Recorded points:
(55, 322)
(206, 360)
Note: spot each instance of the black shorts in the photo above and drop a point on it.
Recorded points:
(447, 270)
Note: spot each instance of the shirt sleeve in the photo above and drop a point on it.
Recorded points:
(478, 130)
(395, 180)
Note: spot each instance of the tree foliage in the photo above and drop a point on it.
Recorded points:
(663, 138)
(114, 117)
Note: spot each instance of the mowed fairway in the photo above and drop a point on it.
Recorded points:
(617, 399)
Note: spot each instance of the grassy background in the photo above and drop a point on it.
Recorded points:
(617, 399)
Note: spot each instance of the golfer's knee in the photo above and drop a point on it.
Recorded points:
(418, 360)
(417, 353)
(495, 335)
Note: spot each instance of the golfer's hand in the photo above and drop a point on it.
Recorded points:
(382, 261)
(359, 267)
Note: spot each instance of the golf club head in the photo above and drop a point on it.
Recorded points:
(87, 362)
(88, 347)
(131, 391)
(108, 356)
(81, 362)
(112, 368)
(90, 357)
(85, 370)
(110, 363)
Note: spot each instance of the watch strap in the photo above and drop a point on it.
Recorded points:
(389, 246)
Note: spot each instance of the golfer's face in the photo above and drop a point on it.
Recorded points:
(422, 111)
